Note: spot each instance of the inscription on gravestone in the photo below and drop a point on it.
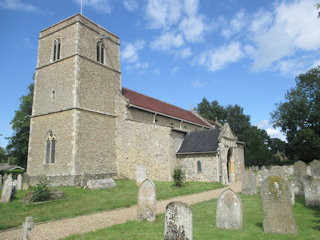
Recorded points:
(277, 209)
(147, 200)
(229, 210)
(178, 221)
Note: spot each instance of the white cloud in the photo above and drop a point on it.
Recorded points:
(198, 84)
(235, 26)
(163, 13)
(138, 65)
(18, 5)
(290, 28)
(157, 71)
(130, 5)
(316, 63)
(130, 52)
(182, 53)
(217, 59)
(174, 70)
(167, 41)
(103, 6)
(271, 131)
(193, 28)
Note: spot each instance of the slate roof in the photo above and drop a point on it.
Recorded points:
(200, 141)
(154, 105)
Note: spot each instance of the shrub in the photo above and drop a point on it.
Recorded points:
(41, 191)
(178, 177)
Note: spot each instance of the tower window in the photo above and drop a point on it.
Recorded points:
(100, 52)
(199, 168)
(56, 49)
(51, 148)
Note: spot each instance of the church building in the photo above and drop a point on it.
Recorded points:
(85, 125)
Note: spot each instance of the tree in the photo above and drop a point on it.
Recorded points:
(256, 140)
(299, 116)
(3, 155)
(18, 143)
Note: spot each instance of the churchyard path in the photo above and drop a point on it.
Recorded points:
(87, 223)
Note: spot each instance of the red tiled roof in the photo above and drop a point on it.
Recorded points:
(155, 105)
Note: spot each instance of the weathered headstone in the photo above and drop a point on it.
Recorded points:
(178, 222)
(315, 168)
(27, 226)
(25, 181)
(7, 189)
(277, 171)
(19, 182)
(147, 200)
(141, 174)
(263, 168)
(256, 168)
(101, 183)
(229, 210)
(261, 176)
(297, 186)
(277, 208)
(300, 169)
(0, 181)
(249, 186)
(312, 191)
(308, 170)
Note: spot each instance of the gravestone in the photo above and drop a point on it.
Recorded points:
(25, 181)
(277, 171)
(0, 181)
(229, 210)
(308, 170)
(7, 189)
(261, 176)
(27, 226)
(315, 168)
(297, 186)
(300, 169)
(263, 168)
(147, 200)
(292, 195)
(257, 168)
(4, 177)
(178, 222)
(101, 183)
(249, 186)
(19, 182)
(312, 191)
(277, 208)
(141, 174)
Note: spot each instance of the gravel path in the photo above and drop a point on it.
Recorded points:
(82, 224)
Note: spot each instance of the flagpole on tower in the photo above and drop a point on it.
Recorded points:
(81, 7)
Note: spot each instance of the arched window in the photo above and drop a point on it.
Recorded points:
(199, 168)
(56, 49)
(100, 52)
(50, 148)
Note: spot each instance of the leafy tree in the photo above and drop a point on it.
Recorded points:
(299, 116)
(18, 143)
(3, 155)
(256, 140)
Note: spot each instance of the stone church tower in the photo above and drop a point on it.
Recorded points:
(72, 130)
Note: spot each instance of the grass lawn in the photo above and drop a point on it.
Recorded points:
(307, 219)
(81, 202)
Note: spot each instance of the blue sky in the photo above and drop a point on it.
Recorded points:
(179, 51)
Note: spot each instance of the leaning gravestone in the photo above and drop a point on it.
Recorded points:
(7, 189)
(147, 200)
(19, 182)
(101, 183)
(141, 174)
(312, 191)
(249, 186)
(229, 210)
(277, 209)
(300, 169)
(27, 226)
(25, 181)
(297, 186)
(261, 176)
(178, 221)
(315, 168)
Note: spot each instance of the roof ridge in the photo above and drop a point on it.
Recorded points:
(160, 101)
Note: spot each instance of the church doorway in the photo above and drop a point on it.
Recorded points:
(230, 166)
